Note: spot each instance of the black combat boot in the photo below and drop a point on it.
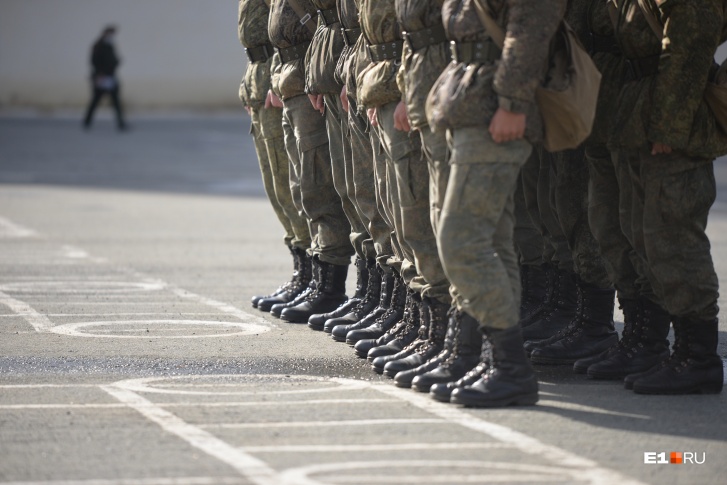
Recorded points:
(379, 287)
(510, 380)
(693, 367)
(363, 268)
(398, 336)
(388, 285)
(301, 281)
(329, 294)
(438, 323)
(590, 332)
(285, 286)
(631, 309)
(642, 346)
(393, 315)
(443, 391)
(464, 357)
(378, 361)
(558, 312)
(534, 282)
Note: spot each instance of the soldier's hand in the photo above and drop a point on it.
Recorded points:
(344, 99)
(660, 148)
(272, 101)
(371, 113)
(317, 101)
(401, 117)
(249, 111)
(507, 126)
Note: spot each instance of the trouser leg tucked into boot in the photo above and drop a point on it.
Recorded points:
(590, 332)
(464, 357)
(365, 271)
(510, 379)
(330, 292)
(301, 278)
(693, 367)
(642, 346)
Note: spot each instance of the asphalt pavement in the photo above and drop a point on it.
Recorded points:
(130, 354)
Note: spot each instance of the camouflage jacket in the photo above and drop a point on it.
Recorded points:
(348, 14)
(285, 30)
(592, 22)
(470, 94)
(252, 29)
(419, 70)
(668, 107)
(323, 55)
(376, 84)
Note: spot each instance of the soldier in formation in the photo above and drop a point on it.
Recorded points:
(402, 132)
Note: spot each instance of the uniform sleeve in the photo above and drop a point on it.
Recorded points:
(530, 27)
(275, 67)
(401, 77)
(691, 36)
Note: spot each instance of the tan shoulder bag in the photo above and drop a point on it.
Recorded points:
(568, 111)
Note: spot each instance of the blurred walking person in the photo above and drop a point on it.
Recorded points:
(104, 62)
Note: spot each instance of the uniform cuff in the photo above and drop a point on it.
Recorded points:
(513, 105)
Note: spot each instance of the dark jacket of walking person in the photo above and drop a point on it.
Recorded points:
(104, 62)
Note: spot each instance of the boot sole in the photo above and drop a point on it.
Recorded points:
(378, 370)
(317, 328)
(527, 400)
(439, 398)
(403, 385)
(337, 338)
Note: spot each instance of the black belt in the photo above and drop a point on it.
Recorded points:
(388, 50)
(328, 17)
(603, 43)
(294, 52)
(260, 53)
(641, 67)
(350, 36)
(420, 39)
(480, 51)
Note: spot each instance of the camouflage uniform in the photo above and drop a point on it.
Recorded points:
(321, 60)
(359, 153)
(671, 194)
(476, 228)
(266, 126)
(306, 140)
(408, 177)
(419, 70)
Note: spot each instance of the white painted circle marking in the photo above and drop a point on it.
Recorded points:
(144, 329)
(73, 287)
(145, 385)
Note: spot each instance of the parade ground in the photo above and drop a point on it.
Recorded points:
(130, 353)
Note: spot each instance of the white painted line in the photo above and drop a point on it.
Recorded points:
(11, 230)
(514, 472)
(147, 326)
(446, 479)
(587, 469)
(375, 447)
(248, 466)
(323, 424)
(256, 404)
(221, 306)
(31, 407)
(142, 481)
(81, 287)
(145, 385)
(44, 386)
(38, 321)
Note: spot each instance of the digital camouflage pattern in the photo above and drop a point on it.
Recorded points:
(285, 30)
(252, 29)
(469, 95)
(376, 84)
(323, 55)
(669, 107)
(420, 70)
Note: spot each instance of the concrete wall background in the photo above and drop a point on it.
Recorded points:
(176, 54)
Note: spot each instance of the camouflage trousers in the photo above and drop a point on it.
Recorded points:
(311, 181)
(408, 184)
(342, 171)
(267, 132)
(528, 238)
(476, 228)
(671, 198)
(609, 215)
(362, 178)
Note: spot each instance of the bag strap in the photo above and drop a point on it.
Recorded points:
(649, 11)
(305, 17)
(496, 33)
